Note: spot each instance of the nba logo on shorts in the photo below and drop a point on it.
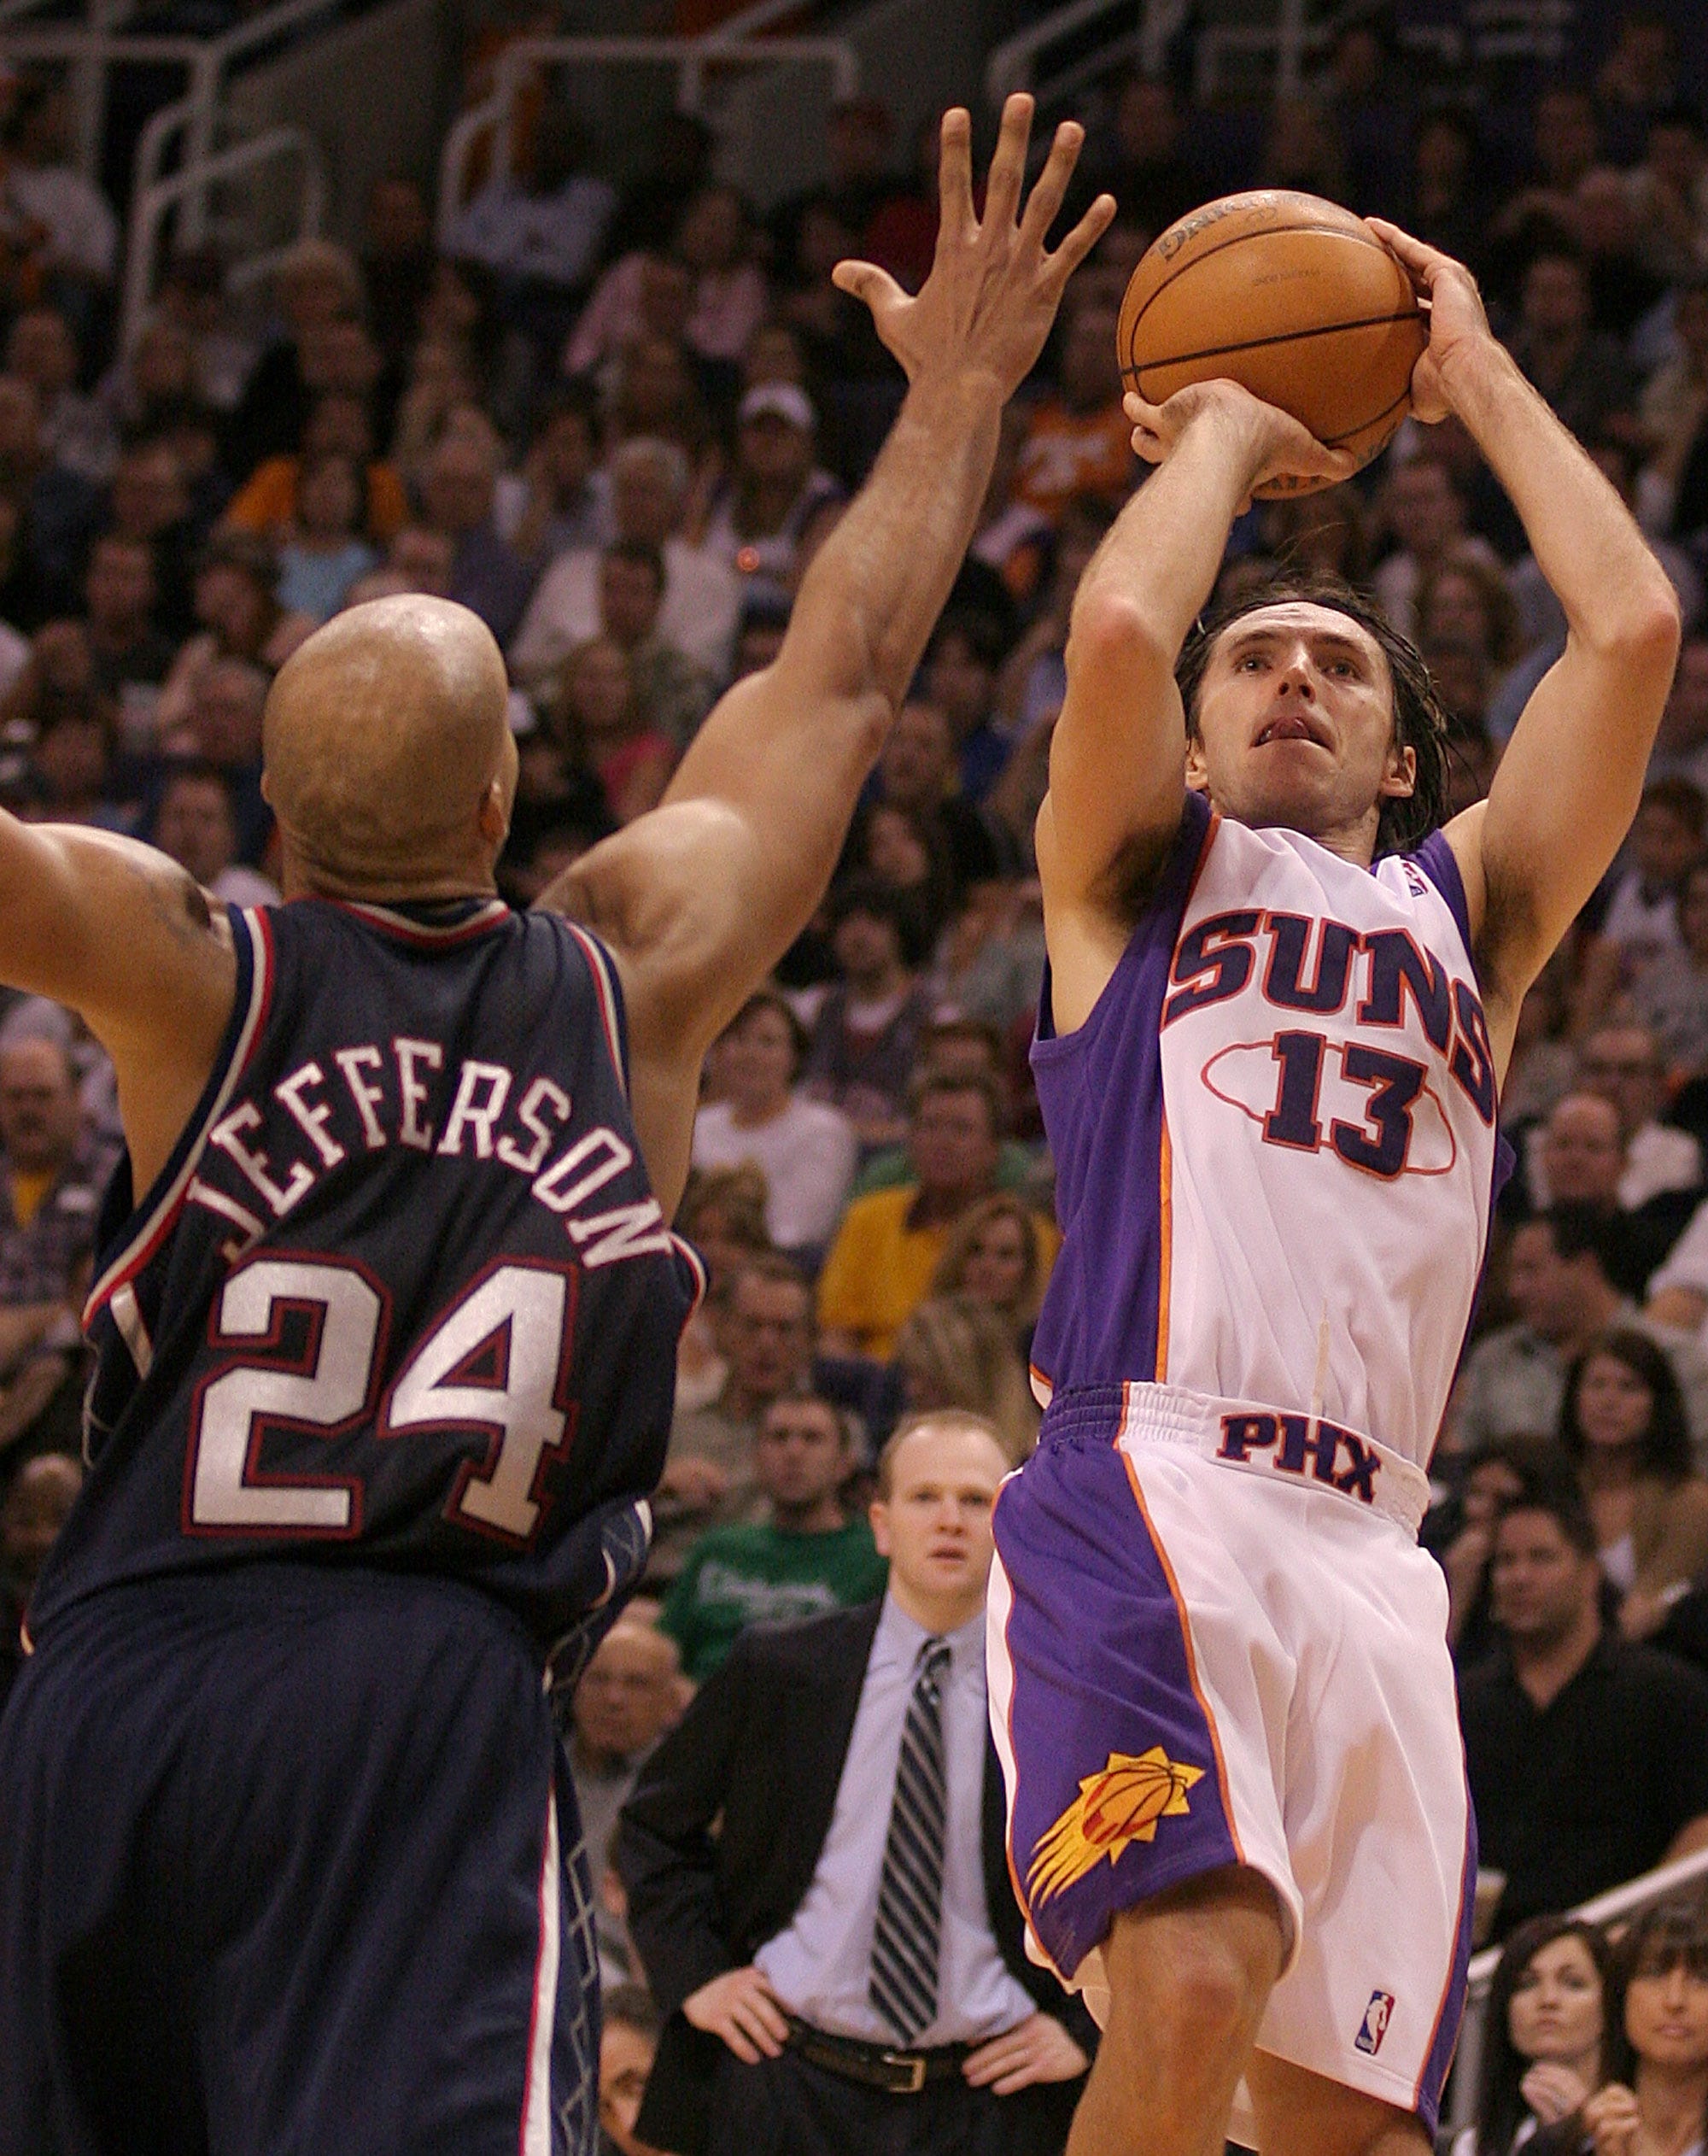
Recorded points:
(1376, 2018)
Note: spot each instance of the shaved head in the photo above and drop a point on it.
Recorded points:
(388, 752)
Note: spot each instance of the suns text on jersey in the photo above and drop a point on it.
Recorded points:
(367, 1097)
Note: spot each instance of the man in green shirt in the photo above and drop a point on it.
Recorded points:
(807, 1556)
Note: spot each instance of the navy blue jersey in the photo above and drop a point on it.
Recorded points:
(401, 1297)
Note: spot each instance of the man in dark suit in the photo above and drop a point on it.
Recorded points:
(842, 1963)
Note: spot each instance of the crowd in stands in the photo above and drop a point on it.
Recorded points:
(617, 421)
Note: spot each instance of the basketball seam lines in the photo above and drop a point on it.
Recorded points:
(1239, 239)
(1257, 344)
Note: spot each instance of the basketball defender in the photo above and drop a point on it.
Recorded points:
(386, 1309)
(1269, 1071)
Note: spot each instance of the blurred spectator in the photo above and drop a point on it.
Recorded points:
(628, 2029)
(35, 1505)
(76, 255)
(1638, 80)
(769, 518)
(1681, 748)
(126, 651)
(803, 1557)
(867, 1027)
(1622, 1425)
(1671, 412)
(1458, 1529)
(805, 1149)
(1466, 599)
(1587, 1756)
(560, 500)
(195, 822)
(51, 1177)
(222, 727)
(58, 511)
(1559, 1269)
(1150, 173)
(994, 1256)
(237, 606)
(1425, 512)
(702, 601)
(1548, 2044)
(629, 1694)
(338, 425)
(716, 297)
(762, 1936)
(1446, 208)
(1641, 920)
(397, 263)
(970, 1051)
(1622, 288)
(596, 715)
(764, 1325)
(917, 773)
(961, 666)
(317, 284)
(1079, 440)
(669, 690)
(1670, 994)
(882, 1264)
(487, 574)
(321, 557)
(1582, 1158)
(149, 501)
(42, 350)
(1578, 368)
(1670, 195)
(1011, 536)
(957, 1351)
(722, 1214)
(1301, 151)
(545, 224)
(1665, 2025)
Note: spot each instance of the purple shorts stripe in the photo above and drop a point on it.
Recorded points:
(1118, 1791)
(1433, 2079)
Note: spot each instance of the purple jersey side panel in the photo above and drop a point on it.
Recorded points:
(1102, 1311)
(1437, 860)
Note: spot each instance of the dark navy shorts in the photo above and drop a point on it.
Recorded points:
(289, 1867)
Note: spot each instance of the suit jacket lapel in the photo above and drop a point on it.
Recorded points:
(823, 1725)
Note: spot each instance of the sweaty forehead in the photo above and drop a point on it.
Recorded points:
(1292, 618)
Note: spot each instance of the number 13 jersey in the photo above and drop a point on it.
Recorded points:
(401, 1296)
(1275, 1137)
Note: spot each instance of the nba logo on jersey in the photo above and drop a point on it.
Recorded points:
(1376, 2015)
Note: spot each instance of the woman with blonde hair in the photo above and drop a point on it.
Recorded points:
(957, 1352)
(995, 1255)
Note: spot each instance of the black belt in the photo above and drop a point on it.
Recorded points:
(899, 2073)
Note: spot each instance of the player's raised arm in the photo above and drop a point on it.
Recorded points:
(1117, 758)
(700, 899)
(1568, 783)
(123, 937)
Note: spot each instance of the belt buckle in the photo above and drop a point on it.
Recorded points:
(914, 2063)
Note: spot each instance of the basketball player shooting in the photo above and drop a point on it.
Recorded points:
(386, 1311)
(1278, 1008)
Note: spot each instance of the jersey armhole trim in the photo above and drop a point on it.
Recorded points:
(1437, 859)
(1189, 850)
(609, 997)
(152, 1219)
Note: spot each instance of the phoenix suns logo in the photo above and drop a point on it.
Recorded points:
(1121, 1805)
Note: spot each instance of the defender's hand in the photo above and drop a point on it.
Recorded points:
(740, 2007)
(1279, 450)
(992, 293)
(1457, 319)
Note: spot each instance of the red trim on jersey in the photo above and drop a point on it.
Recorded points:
(606, 994)
(423, 934)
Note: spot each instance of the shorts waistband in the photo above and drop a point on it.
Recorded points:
(1308, 1452)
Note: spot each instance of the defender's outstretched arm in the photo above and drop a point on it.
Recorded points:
(700, 899)
(1570, 781)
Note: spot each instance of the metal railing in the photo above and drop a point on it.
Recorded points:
(1622, 1902)
(150, 204)
(691, 58)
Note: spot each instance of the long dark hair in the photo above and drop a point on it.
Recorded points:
(1500, 2107)
(1664, 1444)
(1658, 1940)
(1421, 724)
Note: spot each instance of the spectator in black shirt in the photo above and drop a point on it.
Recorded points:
(1587, 1756)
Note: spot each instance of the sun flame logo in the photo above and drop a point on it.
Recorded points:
(1114, 1810)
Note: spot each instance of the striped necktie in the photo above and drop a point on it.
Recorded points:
(904, 1940)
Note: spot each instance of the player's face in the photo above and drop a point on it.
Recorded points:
(1556, 2010)
(1296, 723)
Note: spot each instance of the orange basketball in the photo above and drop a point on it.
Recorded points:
(1291, 297)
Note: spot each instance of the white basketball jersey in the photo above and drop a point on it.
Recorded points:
(1275, 1137)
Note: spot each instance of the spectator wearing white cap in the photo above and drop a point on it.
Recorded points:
(780, 501)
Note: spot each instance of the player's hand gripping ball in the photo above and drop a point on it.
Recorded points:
(1294, 298)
